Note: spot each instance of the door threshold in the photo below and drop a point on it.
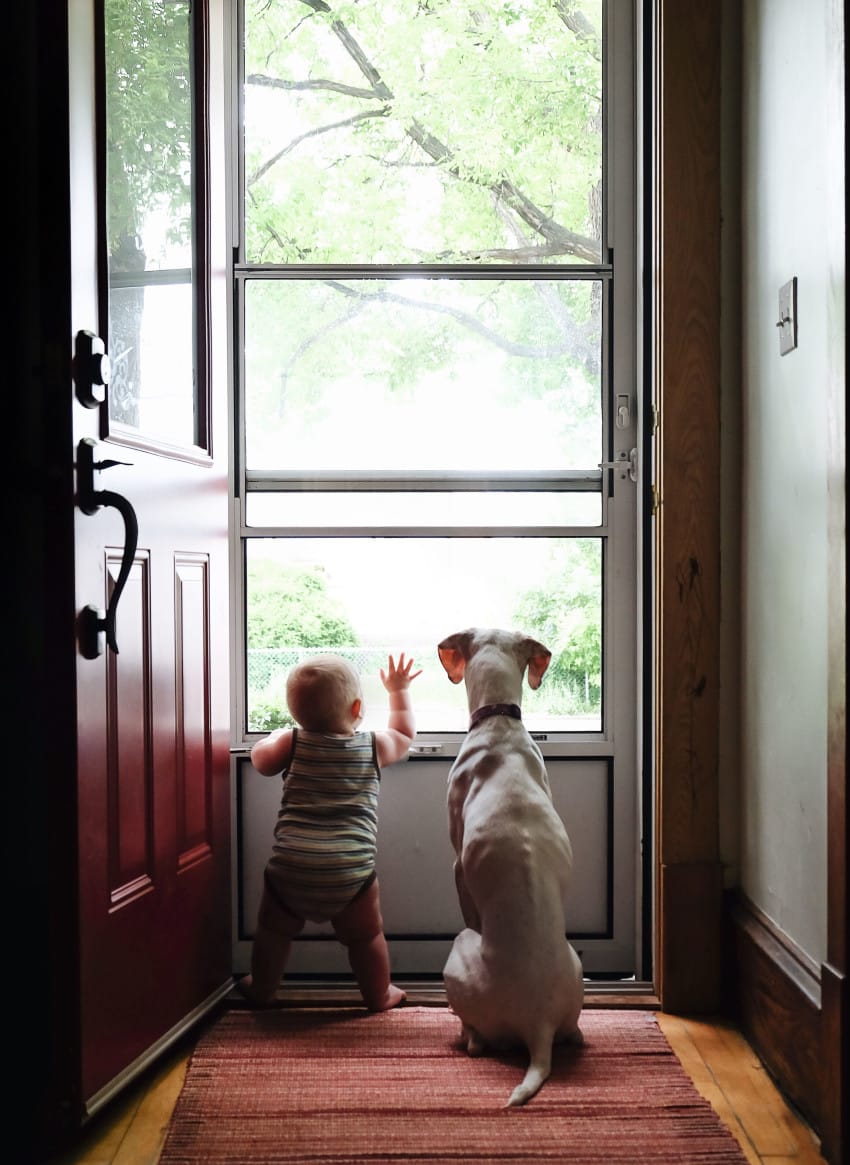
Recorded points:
(432, 993)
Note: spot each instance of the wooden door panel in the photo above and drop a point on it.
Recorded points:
(155, 814)
(153, 720)
(128, 729)
(192, 708)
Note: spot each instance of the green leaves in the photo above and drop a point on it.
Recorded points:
(381, 133)
(567, 610)
(149, 123)
(289, 606)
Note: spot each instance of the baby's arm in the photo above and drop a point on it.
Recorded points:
(394, 742)
(271, 754)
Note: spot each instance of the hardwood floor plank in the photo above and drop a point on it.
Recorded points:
(679, 1038)
(143, 1142)
(691, 1059)
(99, 1142)
(718, 1101)
(131, 1128)
(804, 1144)
(734, 1067)
(719, 1049)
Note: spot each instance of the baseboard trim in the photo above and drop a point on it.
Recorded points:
(835, 1017)
(777, 1002)
(690, 937)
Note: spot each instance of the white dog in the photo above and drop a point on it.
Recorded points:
(512, 978)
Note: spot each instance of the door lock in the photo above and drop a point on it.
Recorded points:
(91, 369)
(625, 464)
(624, 413)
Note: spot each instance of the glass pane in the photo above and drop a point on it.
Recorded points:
(149, 218)
(367, 598)
(417, 133)
(151, 386)
(420, 374)
(404, 510)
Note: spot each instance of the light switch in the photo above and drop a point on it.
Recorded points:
(787, 322)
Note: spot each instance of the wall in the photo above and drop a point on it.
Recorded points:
(786, 208)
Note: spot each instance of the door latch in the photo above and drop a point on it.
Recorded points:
(625, 464)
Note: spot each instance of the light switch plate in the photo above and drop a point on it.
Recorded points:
(787, 322)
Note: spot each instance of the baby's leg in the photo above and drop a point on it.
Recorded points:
(360, 927)
(268, 959)
(276, 927)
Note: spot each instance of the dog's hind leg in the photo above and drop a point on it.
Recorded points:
(474, 1044)
(467, 906)
(573, 1036)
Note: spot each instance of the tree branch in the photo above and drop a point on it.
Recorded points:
(465, 319)
(312, 133)
(264, 81)
(579, 25)
(557, 237)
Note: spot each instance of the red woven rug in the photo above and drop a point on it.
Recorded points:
(344, 1087)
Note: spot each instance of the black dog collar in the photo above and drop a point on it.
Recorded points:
(495, 710)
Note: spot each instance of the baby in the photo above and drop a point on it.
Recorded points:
(323, 863)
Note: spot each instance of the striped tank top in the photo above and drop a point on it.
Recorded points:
(326, 831)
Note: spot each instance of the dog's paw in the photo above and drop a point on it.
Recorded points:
(474, 1043)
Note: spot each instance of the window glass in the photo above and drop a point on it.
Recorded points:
(367, 598)
(423, 374)
(347, 508)
(423, 288)
(460, 133)
(149, 162)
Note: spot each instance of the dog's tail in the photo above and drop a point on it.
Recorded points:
(539, 1068)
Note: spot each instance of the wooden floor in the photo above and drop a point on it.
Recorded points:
(723, 1067)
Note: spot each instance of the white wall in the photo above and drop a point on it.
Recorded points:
(788, 64)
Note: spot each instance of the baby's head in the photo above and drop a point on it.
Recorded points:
(323, 694)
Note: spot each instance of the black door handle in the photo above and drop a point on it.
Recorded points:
(93, 622)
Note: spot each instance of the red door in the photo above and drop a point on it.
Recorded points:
(153, 715)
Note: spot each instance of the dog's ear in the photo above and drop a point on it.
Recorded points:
(538, 660)
(452, 653)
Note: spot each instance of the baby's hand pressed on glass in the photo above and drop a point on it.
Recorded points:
(398, 676)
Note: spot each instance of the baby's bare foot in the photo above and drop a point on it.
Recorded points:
(246, 988)
(393, 998)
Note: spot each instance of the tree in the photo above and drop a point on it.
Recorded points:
(431, 133)
(453, 138)
(289, 606)
(566, 610)
(460, 133)
(149, 169)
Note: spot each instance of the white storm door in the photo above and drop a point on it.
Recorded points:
(438, 423)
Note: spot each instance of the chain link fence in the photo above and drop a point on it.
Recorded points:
(268, 667)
